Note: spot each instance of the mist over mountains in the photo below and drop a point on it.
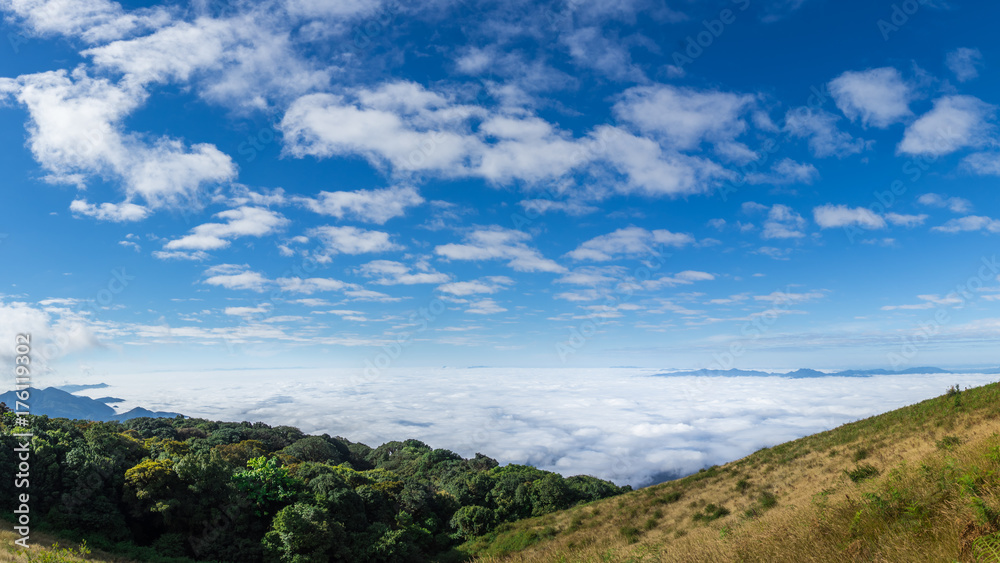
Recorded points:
(631, 426)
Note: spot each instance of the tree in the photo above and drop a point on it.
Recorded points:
(302, 533)
(267, 485)
(471, 521)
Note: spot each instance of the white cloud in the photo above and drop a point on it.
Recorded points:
(496, 242)
(245, 60)
(196, 256)
(240, 222)
(93, 21)
(831, 216)
(76, 132)
(542, 206)
(820, 127)
(117, 212)
(490, 284)
(783, 222)
(682, 117)
(955, 122)
(877, 97)
(410, 129)
(591, 48)
(629, 241)
(388, 272)
(485, 307)
(928, 302)
(352, 240)
(954, 204)
(965, 63)
(247, 311)
(233, 276)
(372, 206)
(970, 223)
(983, 163)
(785, 171)
(57, 329)
(308, 286)
(906, 220)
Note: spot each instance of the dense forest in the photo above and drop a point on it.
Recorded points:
(166, 488)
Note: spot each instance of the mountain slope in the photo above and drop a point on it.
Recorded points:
(57, 403)
(921, 483)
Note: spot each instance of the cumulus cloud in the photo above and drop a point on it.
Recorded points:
(484, 307)
(371, 206)
(91, 20)
(965, 63)
(630, 241)
(969, 223)
(410, 129)
(388, 272)
(953, 123)
(542, 206)
(786, 171)
(820, 128)
(116, 212)
(235, 276)
(352, 240)
(684, 118)
(240, 222)
(247, 59)
(57, 328)
(498, 243)
(832, 216)
(76, 132)
(954, 204)
(983, 163)
(906, 220)
(783, 222)
(878, 97)
(488, 285)
(241, 277)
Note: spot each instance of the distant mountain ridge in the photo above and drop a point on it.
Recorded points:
(804, 373)
(57, 403)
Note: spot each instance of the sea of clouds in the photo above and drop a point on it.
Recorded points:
(626, 425)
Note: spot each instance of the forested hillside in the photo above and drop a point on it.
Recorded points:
(158, 489)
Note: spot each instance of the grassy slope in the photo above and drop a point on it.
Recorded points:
(43, 549)
(932, 500)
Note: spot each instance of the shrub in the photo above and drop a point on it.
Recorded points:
(710, 513)
(948, 442)
(861, 472)
(630, 533)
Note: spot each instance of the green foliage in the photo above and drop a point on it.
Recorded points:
(861, 472)
(58, 555)
(711, 512)
(192, 489)
(470, 521)
(266, 484)
(630, 533)
(948, 442)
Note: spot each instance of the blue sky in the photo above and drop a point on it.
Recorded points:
(754, 184)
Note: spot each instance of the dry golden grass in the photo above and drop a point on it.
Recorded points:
(41, 549)
(929, 502)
